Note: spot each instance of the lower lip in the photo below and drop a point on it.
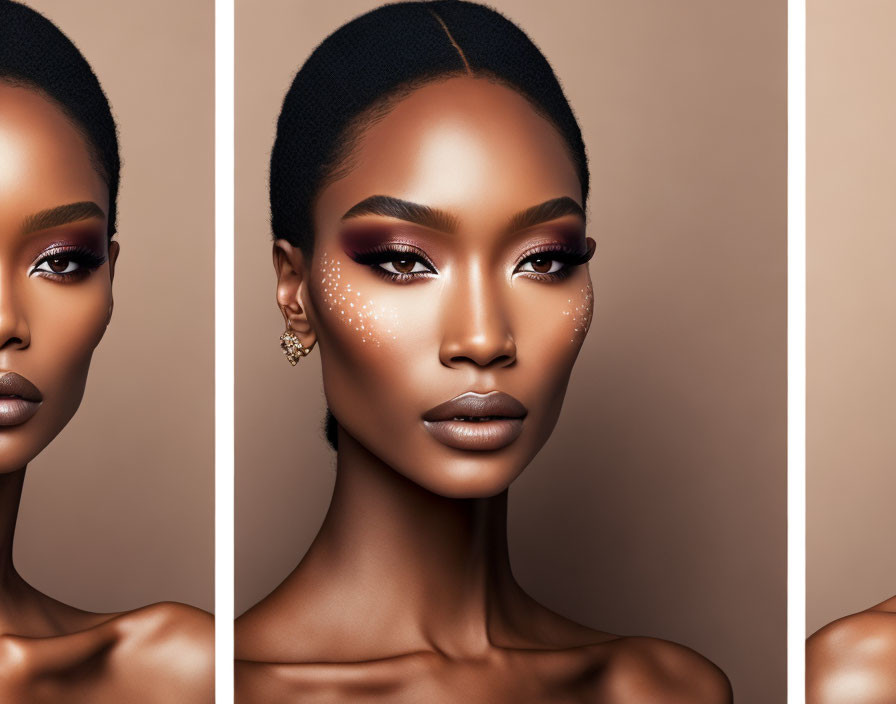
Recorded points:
(15, 410)
(476, 435)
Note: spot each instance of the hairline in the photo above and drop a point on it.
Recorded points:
(93, 151)
(344, 157)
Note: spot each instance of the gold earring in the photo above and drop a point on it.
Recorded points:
(292, 347)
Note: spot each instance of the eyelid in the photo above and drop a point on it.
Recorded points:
(89, 260)
(382, 252)
(566, 253)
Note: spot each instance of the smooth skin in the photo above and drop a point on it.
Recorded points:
(407, 594)
(56, 271)
(853, 659)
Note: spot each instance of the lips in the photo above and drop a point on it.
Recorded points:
(19, 399)
(477, 422)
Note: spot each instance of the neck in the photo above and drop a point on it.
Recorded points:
(424, 570)
(16, 596)
(10, 495)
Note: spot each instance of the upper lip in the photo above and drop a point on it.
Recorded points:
(12, 384)
(476, 405)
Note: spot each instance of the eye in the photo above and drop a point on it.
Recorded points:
(399, 263)
(67, 265)
(554, 263)
(405, 266)
(58, 265)
(541, 264)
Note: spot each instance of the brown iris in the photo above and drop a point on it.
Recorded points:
(58, 264)
(542, 266)
(403, 266)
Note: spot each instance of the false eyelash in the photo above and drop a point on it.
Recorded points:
(86, 258)
(566, 255)
(380, 254)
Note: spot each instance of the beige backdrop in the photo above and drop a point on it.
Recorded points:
(851, 416)
(118, 511)
(661, 510)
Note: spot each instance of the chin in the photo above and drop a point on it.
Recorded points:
(16, 452)
(466, 477)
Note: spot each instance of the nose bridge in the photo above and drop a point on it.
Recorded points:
(13, 325)
(477, 328)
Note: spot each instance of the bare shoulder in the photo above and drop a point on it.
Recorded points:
(171, 643)
(159, 653)
(655, 671)
(852, 659)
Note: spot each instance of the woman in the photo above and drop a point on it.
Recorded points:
(851, 660)
(59, 175)
(428, 192)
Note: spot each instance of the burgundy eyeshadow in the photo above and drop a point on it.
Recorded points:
(89, 236)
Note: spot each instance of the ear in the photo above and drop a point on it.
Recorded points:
(114, 249)
(292, 290)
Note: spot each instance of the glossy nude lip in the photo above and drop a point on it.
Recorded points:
(474, 421)
(19, 399)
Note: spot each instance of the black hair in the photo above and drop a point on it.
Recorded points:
(358, 73)
(35, 54)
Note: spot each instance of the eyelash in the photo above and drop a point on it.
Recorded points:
(383, 254)
(86, 259)
(570, 258)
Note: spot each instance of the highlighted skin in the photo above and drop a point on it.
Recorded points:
(462, 220)
(56, 270)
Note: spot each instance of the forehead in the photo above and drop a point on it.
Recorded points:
(44, 159)
(467, 145)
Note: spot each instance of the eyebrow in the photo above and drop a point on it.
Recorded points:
(544, 212)
(62, 215)
(446, 222)
(404, 210)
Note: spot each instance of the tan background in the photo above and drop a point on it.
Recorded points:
(118, 511)
(851, 335)
(660, 510)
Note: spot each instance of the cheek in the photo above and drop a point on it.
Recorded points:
(579, 311)
(360, 315)
(68, 322)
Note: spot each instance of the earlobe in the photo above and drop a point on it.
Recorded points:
(290, 267)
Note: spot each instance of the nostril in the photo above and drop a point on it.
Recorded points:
(488, 360)
(11, 343)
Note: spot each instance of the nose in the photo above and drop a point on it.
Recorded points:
(477, 328)
(14, 332)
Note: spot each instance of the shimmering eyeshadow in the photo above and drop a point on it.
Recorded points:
(86, 237)
(362, 237)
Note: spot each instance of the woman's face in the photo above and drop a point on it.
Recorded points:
(55, 271)
(448, 290)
